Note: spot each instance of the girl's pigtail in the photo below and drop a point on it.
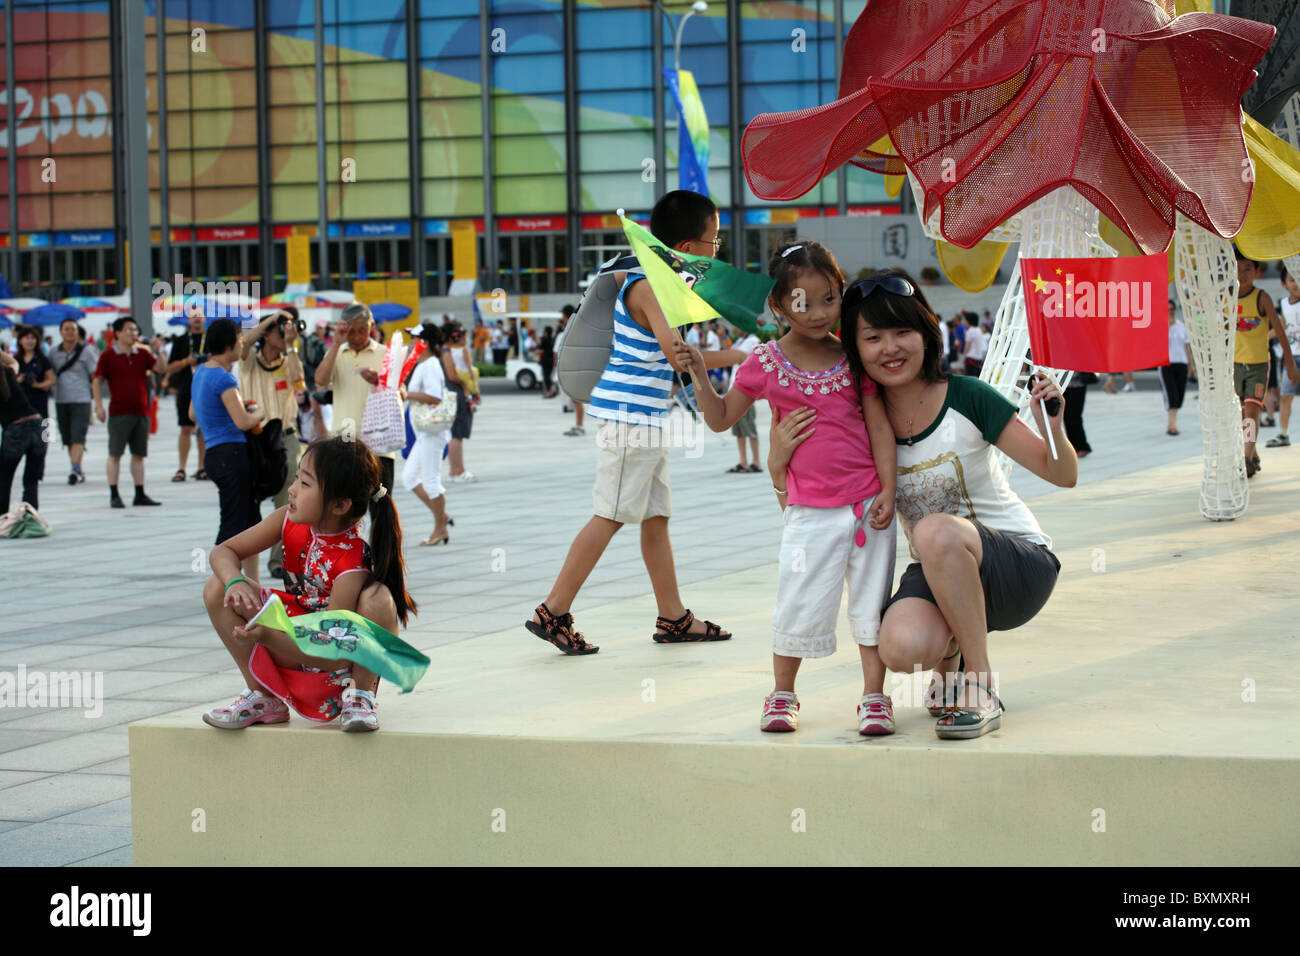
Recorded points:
(386, 550)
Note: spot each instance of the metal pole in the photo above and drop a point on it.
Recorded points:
(137, 163)
(322, 200)
(265, 208)
(490, 263)
(571, 142)
(842, 174)
(414, 129)
(15, 260)
(737, 170)
(164, 217)
(657, 67)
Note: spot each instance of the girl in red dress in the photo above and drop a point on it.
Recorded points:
(329, 567)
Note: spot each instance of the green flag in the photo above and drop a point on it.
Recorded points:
(697, 288)
(347, 636)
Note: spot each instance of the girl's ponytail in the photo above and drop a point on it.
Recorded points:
(386, 552)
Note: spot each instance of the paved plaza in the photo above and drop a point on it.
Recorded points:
(118, 592)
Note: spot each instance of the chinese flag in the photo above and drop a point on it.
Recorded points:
(1098, 315)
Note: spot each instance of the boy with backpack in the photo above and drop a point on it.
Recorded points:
(631, 401)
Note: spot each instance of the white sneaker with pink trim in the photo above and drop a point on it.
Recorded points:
(360, 712)
(875, 715)
(780, 712)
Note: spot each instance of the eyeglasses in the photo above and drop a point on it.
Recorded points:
(862, 288)
(716, 242)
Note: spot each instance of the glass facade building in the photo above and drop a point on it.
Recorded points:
(532, 120)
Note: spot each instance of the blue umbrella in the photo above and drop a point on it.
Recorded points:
(389, 312)
(52, 314)
(212, 310)
(5, 323)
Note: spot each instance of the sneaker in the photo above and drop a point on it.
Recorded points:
(251, 707)
(1129, 387)
(360, 712)
(875, 715)
(464, 477)
(116, 501)
(72, 478)
(576, 431)
(144, 500)
(1281, 441)
(780, 712)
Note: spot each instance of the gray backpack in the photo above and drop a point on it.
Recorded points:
(589, 336)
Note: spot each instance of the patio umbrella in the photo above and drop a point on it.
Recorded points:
(389, 311)
(89, 305)
(52, 314)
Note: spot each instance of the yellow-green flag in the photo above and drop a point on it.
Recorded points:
(671, 275)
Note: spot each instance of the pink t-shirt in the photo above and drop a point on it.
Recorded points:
(834, 467)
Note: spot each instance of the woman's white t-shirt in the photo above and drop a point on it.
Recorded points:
(1290, 313)
(1178, 342)
(952, 467)
(429, 379)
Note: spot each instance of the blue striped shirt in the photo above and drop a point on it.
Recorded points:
(636, 386)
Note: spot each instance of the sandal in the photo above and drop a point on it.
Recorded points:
(963, 723)
(738, 470)
(949, 685)
(559, 631)
(201, 474)
(1171, 431)
(754, 469)
(180, 475)
(678, 631)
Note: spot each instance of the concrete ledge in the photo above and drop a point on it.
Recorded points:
(1158, 691)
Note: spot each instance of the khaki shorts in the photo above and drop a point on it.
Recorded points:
(632, 473)
(1250, 381)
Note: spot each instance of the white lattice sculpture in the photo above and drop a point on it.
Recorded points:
(1206, 271)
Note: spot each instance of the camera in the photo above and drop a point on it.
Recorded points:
(283, 321)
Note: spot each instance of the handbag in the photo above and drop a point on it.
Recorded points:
(268, 463)
(23, 521)
(434, 418)
(383, 429)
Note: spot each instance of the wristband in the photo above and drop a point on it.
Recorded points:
(779, 491)
(233, 582)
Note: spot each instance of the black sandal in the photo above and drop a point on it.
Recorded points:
(559, 629)
(737, 470)
(678, 631)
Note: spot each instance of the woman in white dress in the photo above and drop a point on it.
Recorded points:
(423, 471)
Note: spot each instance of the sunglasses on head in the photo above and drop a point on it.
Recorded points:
(859, 290)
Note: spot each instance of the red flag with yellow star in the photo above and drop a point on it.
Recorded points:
(1098, 315)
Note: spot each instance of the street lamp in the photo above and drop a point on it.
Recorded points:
(699, 6)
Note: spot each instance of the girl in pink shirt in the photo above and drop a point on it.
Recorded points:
(839, 500)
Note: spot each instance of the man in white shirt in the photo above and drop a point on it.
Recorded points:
(1289, 312)
(693, 336)
(976, 345)
(351, 369)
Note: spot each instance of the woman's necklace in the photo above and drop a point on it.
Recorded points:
(899, 414)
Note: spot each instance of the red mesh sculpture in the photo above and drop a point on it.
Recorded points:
(994, 103)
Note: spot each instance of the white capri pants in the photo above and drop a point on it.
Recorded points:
(819, 556)
(424, 466)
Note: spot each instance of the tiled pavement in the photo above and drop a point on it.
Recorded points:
(118, 592)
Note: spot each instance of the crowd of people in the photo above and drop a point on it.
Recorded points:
(858, 376)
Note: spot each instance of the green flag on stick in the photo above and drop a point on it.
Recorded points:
(347, 636)
(697, 288)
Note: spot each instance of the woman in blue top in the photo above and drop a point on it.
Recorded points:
(222, 419)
